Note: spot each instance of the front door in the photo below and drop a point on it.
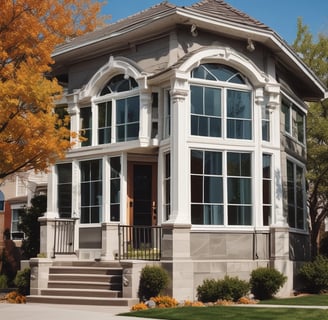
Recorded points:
(142, 194)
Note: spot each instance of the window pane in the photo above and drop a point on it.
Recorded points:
(197, 214)
(213, 214)
(115, 212)
(132, 131)
(266, 171)
(239, 215)
(196, 99)
(197, 189)
(115, 191)
(239, 164)
(196, 161)
(213, 163)
(239, 129)
(285, 109)
(239, 191)
(120, 111)
(239, 104)
(266, 191)
(132, 109)
(267, 215)
(212, 102)
(213, 190)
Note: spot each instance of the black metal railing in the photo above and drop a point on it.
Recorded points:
(64, 235)
(140, 242)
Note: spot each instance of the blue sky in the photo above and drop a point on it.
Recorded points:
(279, 15)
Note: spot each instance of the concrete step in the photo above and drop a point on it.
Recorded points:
(86, 278)
(82, 293)
(85, 270)
(85, 285)
(87, 263)
(82, 300)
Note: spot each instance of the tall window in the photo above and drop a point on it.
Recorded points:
(105, 122)
(221, 103)
(266, 189)
(2, 201)
(295, 195)
(265, 124)
(167, 115)
(206, 187)
(294, 121)
(127, 119)
(239, 188)
(115, 188)
(167, 186)
(211, 184)
(64, 190)
(86, 125)
(16, 233)
(118, 110)
(91, 191)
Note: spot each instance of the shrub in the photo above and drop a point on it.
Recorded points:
(165, 302)
(265, 282)
(314, 275)
(22, 281)
(3, 281)
(229, 288)
(139, 306)
(15, 297)
(153, 280)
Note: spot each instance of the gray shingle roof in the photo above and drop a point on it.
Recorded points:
(217, 9)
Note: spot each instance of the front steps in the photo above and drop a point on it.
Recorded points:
(84, 283)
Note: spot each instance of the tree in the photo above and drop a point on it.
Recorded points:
(315, 54)
(30, 225)
(32, 136)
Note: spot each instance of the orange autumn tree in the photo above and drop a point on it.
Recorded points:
(31, 134)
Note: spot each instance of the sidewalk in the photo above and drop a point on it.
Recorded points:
(35, 311)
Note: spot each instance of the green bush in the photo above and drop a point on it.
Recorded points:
(265, 282)
(314, 275)
(153, 280)
(229, 288)
(22, 281)
(3, 281)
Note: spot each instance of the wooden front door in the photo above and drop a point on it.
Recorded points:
(142, 194)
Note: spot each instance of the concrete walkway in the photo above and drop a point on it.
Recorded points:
(35, 311)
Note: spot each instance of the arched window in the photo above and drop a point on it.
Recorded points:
(221, 102)
(2, 201)
(119, 83)
(118, 110)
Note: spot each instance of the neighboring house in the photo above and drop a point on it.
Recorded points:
(16, 193)
(194, 119)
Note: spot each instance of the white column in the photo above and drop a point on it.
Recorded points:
(145, 117)
(179, 151)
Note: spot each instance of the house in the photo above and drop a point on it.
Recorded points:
(193, 121)
(16, 192)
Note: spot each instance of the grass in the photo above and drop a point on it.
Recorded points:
(308, 300)
(231, 313)
(245, 312)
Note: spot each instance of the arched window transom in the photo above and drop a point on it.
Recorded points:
(119, 83)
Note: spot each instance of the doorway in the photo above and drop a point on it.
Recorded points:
(142, 194)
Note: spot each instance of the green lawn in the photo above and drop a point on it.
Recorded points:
(233, 313)
(245, 312)
(308, 300)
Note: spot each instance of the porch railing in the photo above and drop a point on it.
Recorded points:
(64, 235)
(140, 242)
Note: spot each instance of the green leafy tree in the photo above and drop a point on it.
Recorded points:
(315, 55)
(30, 225)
